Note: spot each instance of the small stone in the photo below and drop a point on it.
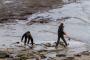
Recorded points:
(22, 18)
(42, 51)
(70, 58)
(60, 55)
(48, 44)
(42, 56)
(38, 21)
(16, 58)
(17, 42)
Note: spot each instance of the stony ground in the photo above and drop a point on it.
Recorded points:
(41, 52)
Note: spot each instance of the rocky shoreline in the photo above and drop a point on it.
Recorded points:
(42, 51)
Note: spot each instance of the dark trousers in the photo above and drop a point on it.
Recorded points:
(62, 37)
(31, 41)
(27, 40)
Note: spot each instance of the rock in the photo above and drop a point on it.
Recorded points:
(42, 51)
(22, 56)
(77, 55)
(4, 54)
(60, 55)
(85, 53)
(3, 20)
(70, 58)
(37, 57)
(48, 44)
(51, 58)
(3, 45)
(30, 55)
(42, 56)
(38, 20)
(9, 59)
(17, 42)
(26, 13)
(22, 18)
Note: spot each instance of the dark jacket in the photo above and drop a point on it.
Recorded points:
(27, 35)
(61, 30)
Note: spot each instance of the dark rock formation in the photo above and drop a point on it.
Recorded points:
(4, 54)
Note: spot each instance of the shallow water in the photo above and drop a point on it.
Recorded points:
(10, 33)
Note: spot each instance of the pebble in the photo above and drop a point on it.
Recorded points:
(60, 55)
